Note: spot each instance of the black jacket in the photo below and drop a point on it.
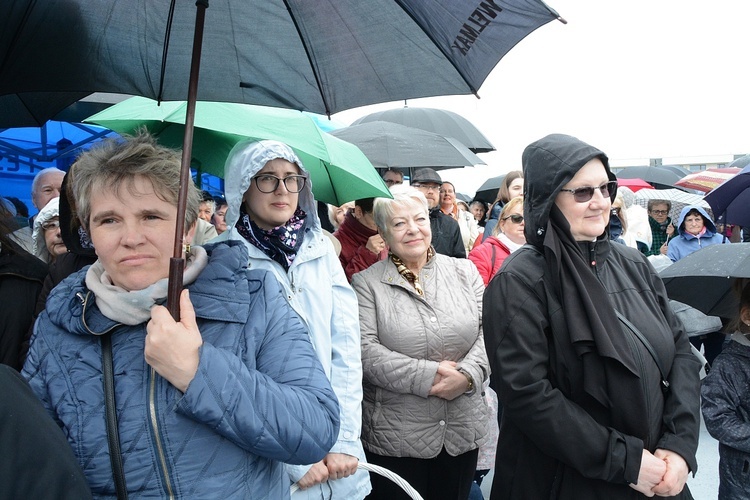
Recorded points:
(557, 440)
(446, 234)
(21, 277)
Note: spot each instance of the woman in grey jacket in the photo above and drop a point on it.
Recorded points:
(423, 357)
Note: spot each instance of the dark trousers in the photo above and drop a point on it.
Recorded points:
(441, 478)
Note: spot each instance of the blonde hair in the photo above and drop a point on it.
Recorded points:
(513, 203)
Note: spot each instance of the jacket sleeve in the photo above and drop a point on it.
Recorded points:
(516, 321)
(381, 366)
(681, 417)
(479, 256)
(459, 250)
(722, 392)
(281, 407)
(361, 260)
(475, 362)
(346, 362)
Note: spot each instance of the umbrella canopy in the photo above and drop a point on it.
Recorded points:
(731, 200)
(339, 171)
(437, 121)
(325, 56)
(656, 176)
(705, 278)
(741, 162)
(634, 184)
(708, 179)
(679, 199)
(390, 145)
(487, 192)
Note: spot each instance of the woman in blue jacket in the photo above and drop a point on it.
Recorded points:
(207, 407)
(696, 230)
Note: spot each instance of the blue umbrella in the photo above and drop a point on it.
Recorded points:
(731, 201)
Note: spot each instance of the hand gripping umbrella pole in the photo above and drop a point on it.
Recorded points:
(177, 262)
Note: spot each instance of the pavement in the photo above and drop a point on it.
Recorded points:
(705, 484)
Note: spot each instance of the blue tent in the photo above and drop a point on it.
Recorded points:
(24, 151)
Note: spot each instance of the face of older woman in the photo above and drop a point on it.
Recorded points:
(409, 234)
(53, 238)
(587, 219)
(270, 210)
(512, 225)
(133, 233)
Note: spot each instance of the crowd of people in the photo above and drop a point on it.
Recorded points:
(436, 338)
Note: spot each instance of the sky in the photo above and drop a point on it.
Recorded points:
(639, 79)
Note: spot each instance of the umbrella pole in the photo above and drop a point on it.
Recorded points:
(177, 262)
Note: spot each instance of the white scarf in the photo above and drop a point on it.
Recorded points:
(134, 307)
(506, 241)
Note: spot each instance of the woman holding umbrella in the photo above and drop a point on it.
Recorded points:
(599, 387)
(272, 211)
(180, 399)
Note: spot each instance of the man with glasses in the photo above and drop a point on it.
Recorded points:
(446, 234)
(661, 226)
(393, 177)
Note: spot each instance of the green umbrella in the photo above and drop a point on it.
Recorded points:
(339, 171)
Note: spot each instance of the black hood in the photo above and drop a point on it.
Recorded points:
(549, 164)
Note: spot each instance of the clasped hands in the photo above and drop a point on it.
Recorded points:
(449, 383)
(662, 473)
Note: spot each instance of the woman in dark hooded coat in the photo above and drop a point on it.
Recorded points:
(587, 411)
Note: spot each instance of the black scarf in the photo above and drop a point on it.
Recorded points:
(591, 320)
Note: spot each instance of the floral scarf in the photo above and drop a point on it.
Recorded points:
(280, 243)
(408, 274)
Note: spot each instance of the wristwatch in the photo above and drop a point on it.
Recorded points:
(468, 377)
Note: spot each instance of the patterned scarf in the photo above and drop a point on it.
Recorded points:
(408, 275)
(280, 243)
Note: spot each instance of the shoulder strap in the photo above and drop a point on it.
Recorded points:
(649, 348)
(113, 437)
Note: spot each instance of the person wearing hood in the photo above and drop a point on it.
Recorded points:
(725, 404)
(209, 406)
(595, 373)
(696, 230)
(272, 211)
(48, 243)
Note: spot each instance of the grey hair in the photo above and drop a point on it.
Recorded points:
(115, 163)
(39, 175)
(403, 197)
(651, 204)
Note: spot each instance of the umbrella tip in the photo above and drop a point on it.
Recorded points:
(562, 19)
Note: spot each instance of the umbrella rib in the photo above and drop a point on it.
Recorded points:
(309, 59)
(165, 50)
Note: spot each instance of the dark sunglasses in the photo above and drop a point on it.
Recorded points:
(585, 193)
(514, 218)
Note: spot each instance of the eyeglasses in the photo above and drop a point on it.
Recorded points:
(269, 183)
(585, 193)
(50, 224)
(514, 218)
(660, 212)
(427, 187)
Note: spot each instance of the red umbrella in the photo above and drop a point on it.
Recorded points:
(634, 184)
(708, 179)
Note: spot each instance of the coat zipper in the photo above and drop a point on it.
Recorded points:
(155, 429)
(151, 401)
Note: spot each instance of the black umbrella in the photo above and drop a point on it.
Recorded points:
(731, 200)
(438, 121)
(656, 176)
(324, 56)
(487, 192)
(705, 279)
(390, 145)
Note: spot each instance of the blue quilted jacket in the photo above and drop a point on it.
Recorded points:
(259, 398)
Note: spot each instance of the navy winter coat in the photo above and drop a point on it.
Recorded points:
(259, 397)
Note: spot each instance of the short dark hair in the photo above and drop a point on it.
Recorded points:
(365, 204)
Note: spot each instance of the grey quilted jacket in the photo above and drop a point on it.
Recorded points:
(404, 338)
